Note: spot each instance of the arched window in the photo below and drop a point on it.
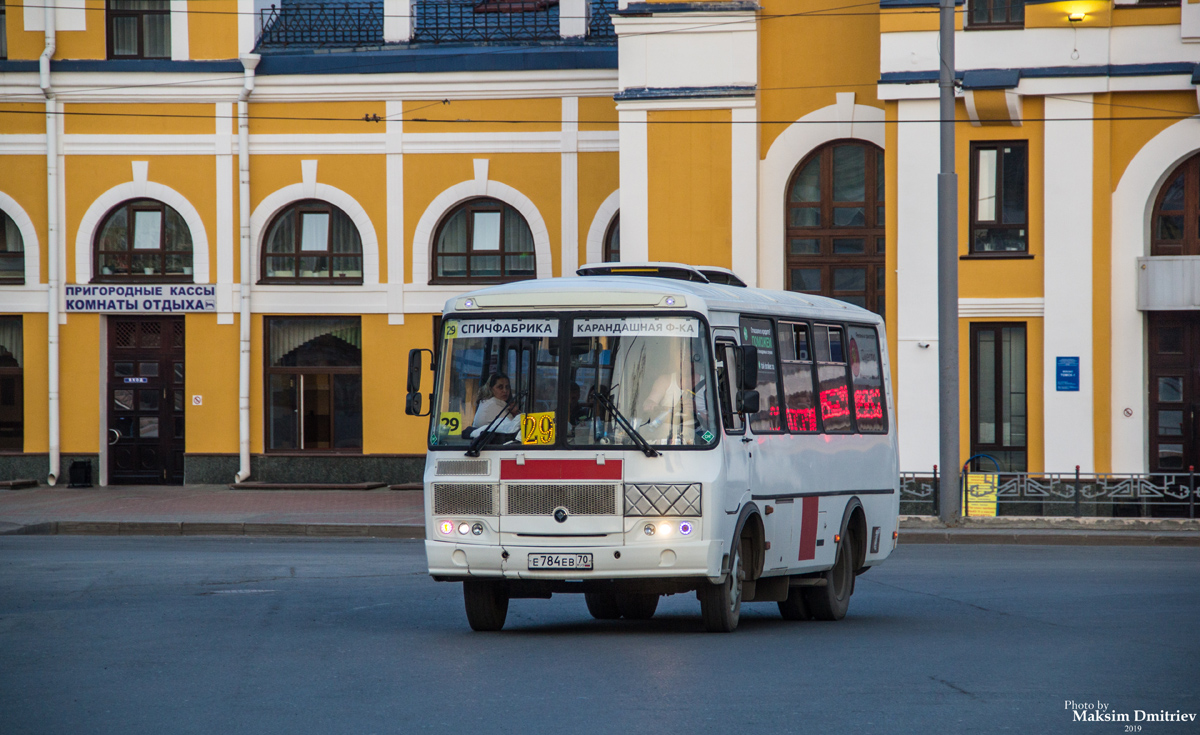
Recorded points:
(12, 251)
(1175, 229)
(312, 240)
(143, 239)
(612, 241)
(835, 224)
(483, 241)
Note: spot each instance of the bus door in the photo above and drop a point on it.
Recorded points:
(736, 446)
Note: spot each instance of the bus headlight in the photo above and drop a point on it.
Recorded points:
(685, 528)
(446, 527)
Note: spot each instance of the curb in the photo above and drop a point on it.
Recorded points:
(1047, 537)
(141, 528)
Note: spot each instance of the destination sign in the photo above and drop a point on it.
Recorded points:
(637, 327)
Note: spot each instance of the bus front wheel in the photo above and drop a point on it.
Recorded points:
(721, 604)
(487, 604)
(832, 600)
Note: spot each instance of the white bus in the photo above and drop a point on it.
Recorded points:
(652, 429)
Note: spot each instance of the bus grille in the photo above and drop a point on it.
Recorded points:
(462, 467)
(662, 500)
(464, 499)
(579, 500)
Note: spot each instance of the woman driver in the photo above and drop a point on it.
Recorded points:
(500, 391)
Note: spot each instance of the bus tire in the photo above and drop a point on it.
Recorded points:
(637, 606)
(793, 608)
(832, 600)
(487, 604)
(721, 604)
(602, 605)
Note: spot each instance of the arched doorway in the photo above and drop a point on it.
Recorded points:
(835, 224)
(1174, 339)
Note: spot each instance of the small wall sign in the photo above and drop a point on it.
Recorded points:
(197, 400)
(136, 380)
(1067, 373)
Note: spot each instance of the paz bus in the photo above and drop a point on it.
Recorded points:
(655, 429)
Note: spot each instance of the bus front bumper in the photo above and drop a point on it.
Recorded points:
(636, 561)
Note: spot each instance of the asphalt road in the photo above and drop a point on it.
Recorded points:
(150, 635)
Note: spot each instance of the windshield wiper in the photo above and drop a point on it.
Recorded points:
(484, 436)
(607, 404)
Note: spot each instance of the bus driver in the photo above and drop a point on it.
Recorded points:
(498, 392)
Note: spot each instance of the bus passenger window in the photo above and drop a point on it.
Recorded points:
(831, 377)
(796, 362)
(727, 380)
(866, 372)
(759, 332)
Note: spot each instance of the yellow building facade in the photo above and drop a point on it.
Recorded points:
(225, 227)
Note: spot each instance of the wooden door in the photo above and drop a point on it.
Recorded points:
(145, 399)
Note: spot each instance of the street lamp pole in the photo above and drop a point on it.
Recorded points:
(949, 510)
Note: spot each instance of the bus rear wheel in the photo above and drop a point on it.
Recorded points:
(487, 604)
(832, 600)
(721, 604)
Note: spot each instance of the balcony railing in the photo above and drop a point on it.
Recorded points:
(360, 23)
(320, 25)
(1065, 494)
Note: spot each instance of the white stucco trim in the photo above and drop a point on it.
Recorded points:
(1132, 205)
(422, 245)
(599, 227)
(140, 189)
(792, 145)
(281, 198)
(180, 43)
(29, 240)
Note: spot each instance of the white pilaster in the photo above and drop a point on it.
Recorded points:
(916, 286)
(570, 185)
(180, 50)
(573, 17)
(635, 186)
(397, 21)
(744, 194)
(1068, 418)
(225, 206)
(395, 211)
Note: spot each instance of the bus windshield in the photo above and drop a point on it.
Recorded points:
(502, 377)
(648, 374)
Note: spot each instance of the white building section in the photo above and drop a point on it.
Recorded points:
(917, 317)
(1068, 283)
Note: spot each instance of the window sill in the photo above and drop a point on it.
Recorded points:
(997, 256)
(152, 279)
(314, 452)
(314, 281)
(995, 27)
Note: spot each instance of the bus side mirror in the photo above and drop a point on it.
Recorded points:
(749, 371)
(747, 401)
(412, 403)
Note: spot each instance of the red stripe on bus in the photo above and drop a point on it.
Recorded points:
(808, 528)
(560, 469)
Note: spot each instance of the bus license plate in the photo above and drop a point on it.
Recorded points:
(560, 561)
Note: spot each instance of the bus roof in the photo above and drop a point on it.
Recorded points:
(647, 292)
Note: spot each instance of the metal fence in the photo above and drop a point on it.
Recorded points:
(461, 21)
(359, 23)
(1154, 495)
(320, 25)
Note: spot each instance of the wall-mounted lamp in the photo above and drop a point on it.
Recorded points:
(1076, 17)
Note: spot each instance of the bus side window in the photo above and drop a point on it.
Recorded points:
(866, 371)
(796, 360)
(726, 384)
(761, 333)
(831, 378)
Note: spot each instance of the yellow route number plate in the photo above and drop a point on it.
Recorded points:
(537, 428)
(450, 422)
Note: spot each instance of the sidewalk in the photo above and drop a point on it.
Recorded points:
(217, 510)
